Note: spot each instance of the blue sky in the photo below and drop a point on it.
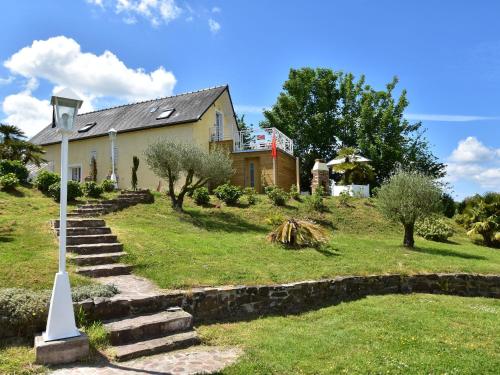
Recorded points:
(446, 54)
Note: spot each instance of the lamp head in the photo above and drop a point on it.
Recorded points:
(65, 104)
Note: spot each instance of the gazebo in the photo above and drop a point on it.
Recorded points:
(348, 161)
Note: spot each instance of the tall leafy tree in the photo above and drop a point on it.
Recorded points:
(323, 111)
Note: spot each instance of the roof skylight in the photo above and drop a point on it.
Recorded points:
(153, 109)
(165, 114)
(87, 127)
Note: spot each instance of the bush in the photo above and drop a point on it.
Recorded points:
(201, 196)
(44, 179)
(8, 181)
(298, 233)
(107, 186)
(24, 312)
(74, 190)
(277, 195)
(315, 202)
(294, 193)
(251, 195)
(228, 193)
(91, 189)
(433, 228)
(16, 167)
(345, 199)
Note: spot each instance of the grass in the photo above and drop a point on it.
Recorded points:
(208, 246)
(412, 334)
(28, 247)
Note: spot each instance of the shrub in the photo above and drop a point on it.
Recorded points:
(228, 193)
(201, 196)
(16, 167)
(433, 228)
(44, 179)
(345, 199)
(315, 202)
(8, 181)
(294, 193)
(277, 195)
(91, 189)
(275, 219)
(251, 195)
(107, 186)
(298, 233)
(74, 190)
(24, 312)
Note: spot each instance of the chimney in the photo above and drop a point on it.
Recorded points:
(320, 176)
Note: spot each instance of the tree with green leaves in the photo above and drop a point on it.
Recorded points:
(172, 160)
(323, 111)
(408, 196)
(13, 146)
(135, 167)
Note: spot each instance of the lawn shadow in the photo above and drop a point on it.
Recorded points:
(447, 253)
(327, 251)
(15, 193)
(220, 221)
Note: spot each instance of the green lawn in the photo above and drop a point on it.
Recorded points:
(28, 247)
(227, 245)
(412, 334)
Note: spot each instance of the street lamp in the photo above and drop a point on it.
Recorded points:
(61, 319)
(112, 135)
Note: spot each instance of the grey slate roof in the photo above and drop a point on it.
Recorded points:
(188, 107)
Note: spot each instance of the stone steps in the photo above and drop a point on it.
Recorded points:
(89, 239)
(145, 327)
(97, 259)
(156, 346)
(80, 223)
(85, 231)
(100, 248)
(104, 270)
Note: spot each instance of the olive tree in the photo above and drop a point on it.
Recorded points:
(408, 196)
(175, 160)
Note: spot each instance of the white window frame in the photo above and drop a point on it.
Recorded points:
(219, 130)
(70, 171)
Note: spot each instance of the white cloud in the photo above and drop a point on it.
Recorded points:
(213, 25)
(6, 81)
(471, 150)
(472, 161)
(156, 11)
(61, 61)
(216, 10)
(98, 3)
(250, 109)
(445, 118)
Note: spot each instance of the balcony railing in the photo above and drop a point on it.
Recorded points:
(255, 140)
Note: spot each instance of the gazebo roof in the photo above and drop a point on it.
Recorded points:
(352, 158)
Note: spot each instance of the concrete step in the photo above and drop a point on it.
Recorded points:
(145, 327)
(85, 231)
(81, 223)
(96, 259)
(88, 210)
(104, 270)
(101, 248)
(91, 239)
(156, 346)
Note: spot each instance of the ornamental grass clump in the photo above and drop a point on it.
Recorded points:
(298, 233)
(434, 229)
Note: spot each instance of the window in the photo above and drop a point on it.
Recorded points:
(87, 127)
(252, 174)
(153, 109)
(219, 126)
(165, 114)
(75, 173)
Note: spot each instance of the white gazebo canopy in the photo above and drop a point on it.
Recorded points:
(352, 159)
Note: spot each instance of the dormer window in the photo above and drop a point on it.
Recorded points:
(87, 127)
(165, 114)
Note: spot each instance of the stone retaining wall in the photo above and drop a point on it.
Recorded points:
(240, 302)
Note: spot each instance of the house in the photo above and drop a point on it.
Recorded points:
(205, 118)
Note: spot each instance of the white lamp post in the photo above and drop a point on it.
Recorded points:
(112, 135)
(61, 319)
